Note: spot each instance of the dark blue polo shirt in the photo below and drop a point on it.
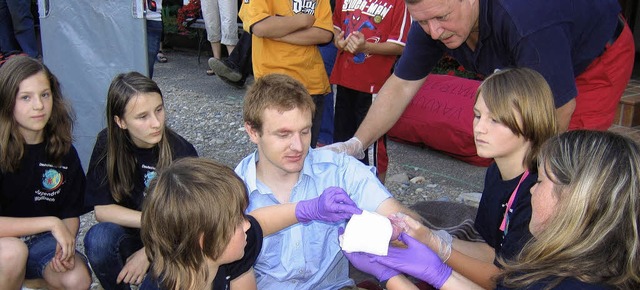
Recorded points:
(559, 39)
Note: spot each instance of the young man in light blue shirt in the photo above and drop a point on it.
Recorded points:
(278, 115)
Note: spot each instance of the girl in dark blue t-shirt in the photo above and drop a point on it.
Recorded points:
(125, 158)
(41, 180)
(513, 116)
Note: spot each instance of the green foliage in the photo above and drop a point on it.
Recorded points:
(449, 66)
(169, 18)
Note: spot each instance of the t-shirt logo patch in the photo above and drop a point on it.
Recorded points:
(148, 177)
(304, 6)
(51, 180)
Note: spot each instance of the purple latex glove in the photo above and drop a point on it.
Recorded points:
(365, 263)
(333, 205)
(416, 260)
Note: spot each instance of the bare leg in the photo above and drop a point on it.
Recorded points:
(216, 48)
(230, 49)
(13, 263)
(76, 278)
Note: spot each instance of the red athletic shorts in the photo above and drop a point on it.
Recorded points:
(601, 85)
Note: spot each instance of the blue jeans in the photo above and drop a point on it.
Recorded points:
(17, 30)
(328, 52)
(154, 35)
(107, 246)
(42, 248)
(149, 284)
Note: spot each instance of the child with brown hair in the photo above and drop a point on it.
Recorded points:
(196, 233)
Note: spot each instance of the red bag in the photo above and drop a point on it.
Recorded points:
(6, 56)
(440, 116)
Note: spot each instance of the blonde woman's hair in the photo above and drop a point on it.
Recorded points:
(593, 235)
(189, 215)
(522, 92)
(275, 91)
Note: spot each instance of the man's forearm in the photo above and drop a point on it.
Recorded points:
(393, 98)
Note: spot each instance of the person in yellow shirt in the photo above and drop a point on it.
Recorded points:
(285, 35)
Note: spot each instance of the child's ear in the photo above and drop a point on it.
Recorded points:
(121, 123)
(201, 241)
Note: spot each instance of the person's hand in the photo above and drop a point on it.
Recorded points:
(66, 247)
(416, 260)
(365, 263)
(333, 205)
(355, 42)
(351, 147)
(340, 41)
(134, 269)
(60, 266)
(438, 240)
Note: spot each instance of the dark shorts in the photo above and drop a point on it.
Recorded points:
(42, 248)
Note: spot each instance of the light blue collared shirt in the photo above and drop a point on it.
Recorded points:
(308, 256)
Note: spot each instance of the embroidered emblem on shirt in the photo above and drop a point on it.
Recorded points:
(51, 180)
(148, 177)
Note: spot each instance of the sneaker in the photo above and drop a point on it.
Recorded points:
(237, 84)
(221, 69)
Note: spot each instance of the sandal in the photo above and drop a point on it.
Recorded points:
(210, 72)
(161, 58)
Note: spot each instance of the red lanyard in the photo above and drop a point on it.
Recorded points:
(503, 225)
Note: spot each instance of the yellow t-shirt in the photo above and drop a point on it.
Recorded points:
(302, 62)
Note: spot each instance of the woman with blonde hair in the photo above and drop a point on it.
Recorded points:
(585, 222)
(586, 215)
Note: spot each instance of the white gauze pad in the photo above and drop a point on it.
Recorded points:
(367, 232)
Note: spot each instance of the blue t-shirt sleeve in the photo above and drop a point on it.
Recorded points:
(251, 251)
(180, 146)
(74, 197)
(97, 188)
(420, 55)
(487, 215)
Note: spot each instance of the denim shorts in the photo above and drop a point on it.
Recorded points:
(42, 248)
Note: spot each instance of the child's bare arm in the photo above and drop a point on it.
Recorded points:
(246, 281)
(356, 43)
(118, 215)
(276, 217)
(333, 205)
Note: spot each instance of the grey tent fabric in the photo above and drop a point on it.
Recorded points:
(85, 44)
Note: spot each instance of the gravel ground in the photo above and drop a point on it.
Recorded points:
(208, 113)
